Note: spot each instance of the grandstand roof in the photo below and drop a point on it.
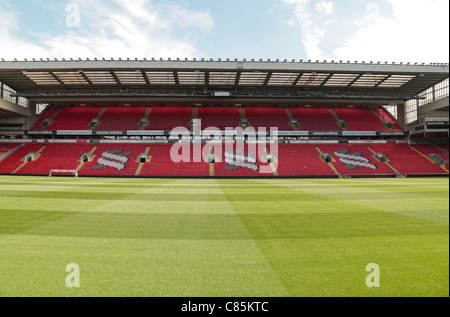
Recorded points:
(222, 78)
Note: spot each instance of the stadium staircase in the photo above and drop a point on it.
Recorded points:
(330, 164)
(338, 120)
(146, 118)
(292, 120)
(141, 164)
(46, 118)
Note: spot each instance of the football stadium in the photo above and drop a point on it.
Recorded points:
(327, 181)
(194, 177)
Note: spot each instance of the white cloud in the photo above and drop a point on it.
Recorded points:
(313, 24)
(128, 28)
(413, 31)
(292, 22)
(325, 7)
(417, 32)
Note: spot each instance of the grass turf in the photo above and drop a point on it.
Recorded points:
(237, 238)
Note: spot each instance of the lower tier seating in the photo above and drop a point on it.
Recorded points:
(406, 160)
(56, 157)
(355, 159)
(302, 160)
(114, 160)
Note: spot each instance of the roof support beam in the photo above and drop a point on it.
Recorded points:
(355, 80)
(266, 81)
(115, 77)
(326, 80)
(56, 77)
(144, 74)
(381, 82)
(297, 79)
(177, 78)
(86, 78)
(207, 78)
(238, 78)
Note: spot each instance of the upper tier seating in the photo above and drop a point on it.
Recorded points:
(385, 116)
(121, 118)
(219, 117)
(268, 117)
(315, 119)
(46, 114)
(74, 118)
(169, 117)
(360, 119)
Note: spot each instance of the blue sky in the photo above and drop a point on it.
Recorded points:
(378, 30)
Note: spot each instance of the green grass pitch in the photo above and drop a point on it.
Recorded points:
(225, 238)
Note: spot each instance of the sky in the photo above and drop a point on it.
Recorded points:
(348, 30)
